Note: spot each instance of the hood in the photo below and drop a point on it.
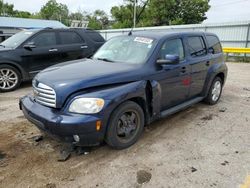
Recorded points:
(70, 77)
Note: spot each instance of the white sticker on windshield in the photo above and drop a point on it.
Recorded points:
(143, 40)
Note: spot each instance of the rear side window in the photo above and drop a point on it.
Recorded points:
(214, 44)
(68, 37)
(95, 36)
(45, 39)
(172, 47)
(196, 46)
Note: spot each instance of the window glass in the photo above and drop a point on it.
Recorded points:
(172, 47)
(95, 36)
(68, 37)
(17, 39)
(126, 49)
(214, 44)
(44, 39)
(196, 46)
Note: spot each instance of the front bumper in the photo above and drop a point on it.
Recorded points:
(63, 125)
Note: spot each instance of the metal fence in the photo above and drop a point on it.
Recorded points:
(231, 34)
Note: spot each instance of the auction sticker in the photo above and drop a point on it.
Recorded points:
(143, 40)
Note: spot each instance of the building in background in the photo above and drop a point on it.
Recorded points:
(10, 25)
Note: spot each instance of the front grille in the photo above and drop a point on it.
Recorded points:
(44, 95)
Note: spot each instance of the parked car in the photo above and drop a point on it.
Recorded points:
(130, 82)
(28, 52)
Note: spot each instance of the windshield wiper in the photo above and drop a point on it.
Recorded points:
(105, 59)
(2, 45)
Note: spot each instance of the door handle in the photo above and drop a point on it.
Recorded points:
(53, 50)
(84, 47)
(183, 69)
(207, 63)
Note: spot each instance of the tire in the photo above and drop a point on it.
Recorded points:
(215, 91)
(10, 78)
(125, 126)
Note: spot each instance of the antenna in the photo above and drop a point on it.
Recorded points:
(136, 19)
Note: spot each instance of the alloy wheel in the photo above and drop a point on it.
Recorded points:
(216, 91)
(8, 79)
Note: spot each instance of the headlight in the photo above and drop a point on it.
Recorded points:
(86, 105)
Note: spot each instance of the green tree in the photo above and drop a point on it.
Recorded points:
(123, 15)
(55, 11)
(98, 20)
(192, 11)
(22, 14)
(6, 9)
(160, 12)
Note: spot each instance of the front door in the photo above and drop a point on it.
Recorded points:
(44, 52)
(174, 78)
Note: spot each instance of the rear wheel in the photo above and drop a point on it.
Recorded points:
(214, 92)
(125, 126)
(10, 78)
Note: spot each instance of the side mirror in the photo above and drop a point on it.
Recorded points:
(169, 59)
(211, 50)
(29, 45)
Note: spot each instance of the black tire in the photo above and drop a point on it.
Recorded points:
(211, 99)
(13, 78)
(115, 137)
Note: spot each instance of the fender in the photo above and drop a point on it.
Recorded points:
(24, 75)
(212, 72)
(148, 91)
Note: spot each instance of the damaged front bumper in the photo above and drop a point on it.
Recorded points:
(61, 125)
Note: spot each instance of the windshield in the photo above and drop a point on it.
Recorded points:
(17, 39)
(126, 49)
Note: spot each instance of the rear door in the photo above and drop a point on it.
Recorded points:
(174, 78)
(215, 49)
(72, 46)
(200, 62)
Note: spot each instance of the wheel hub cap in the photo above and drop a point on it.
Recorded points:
(8, 78)
(127, 124)
(216, 91)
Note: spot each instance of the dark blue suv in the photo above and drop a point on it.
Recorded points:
(130, 82)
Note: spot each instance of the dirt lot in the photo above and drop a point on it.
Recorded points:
(203, 146)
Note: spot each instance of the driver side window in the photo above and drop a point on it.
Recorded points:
(44, 39)
(172, 47)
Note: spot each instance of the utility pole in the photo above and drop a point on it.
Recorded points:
(135, 6)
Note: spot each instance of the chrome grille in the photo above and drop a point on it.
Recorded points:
(44, 95)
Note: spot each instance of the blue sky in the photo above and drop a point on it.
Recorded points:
(221, 10)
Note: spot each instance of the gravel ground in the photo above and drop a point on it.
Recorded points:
(203, 146)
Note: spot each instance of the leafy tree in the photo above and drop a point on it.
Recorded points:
(192, 11)
(55, 11)
(22, 14)
(124, 15)
(6, 9)
(98, 20)
(161, 12)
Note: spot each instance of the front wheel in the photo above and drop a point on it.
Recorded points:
(125, 126)
(214, 92)
(10, 78)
